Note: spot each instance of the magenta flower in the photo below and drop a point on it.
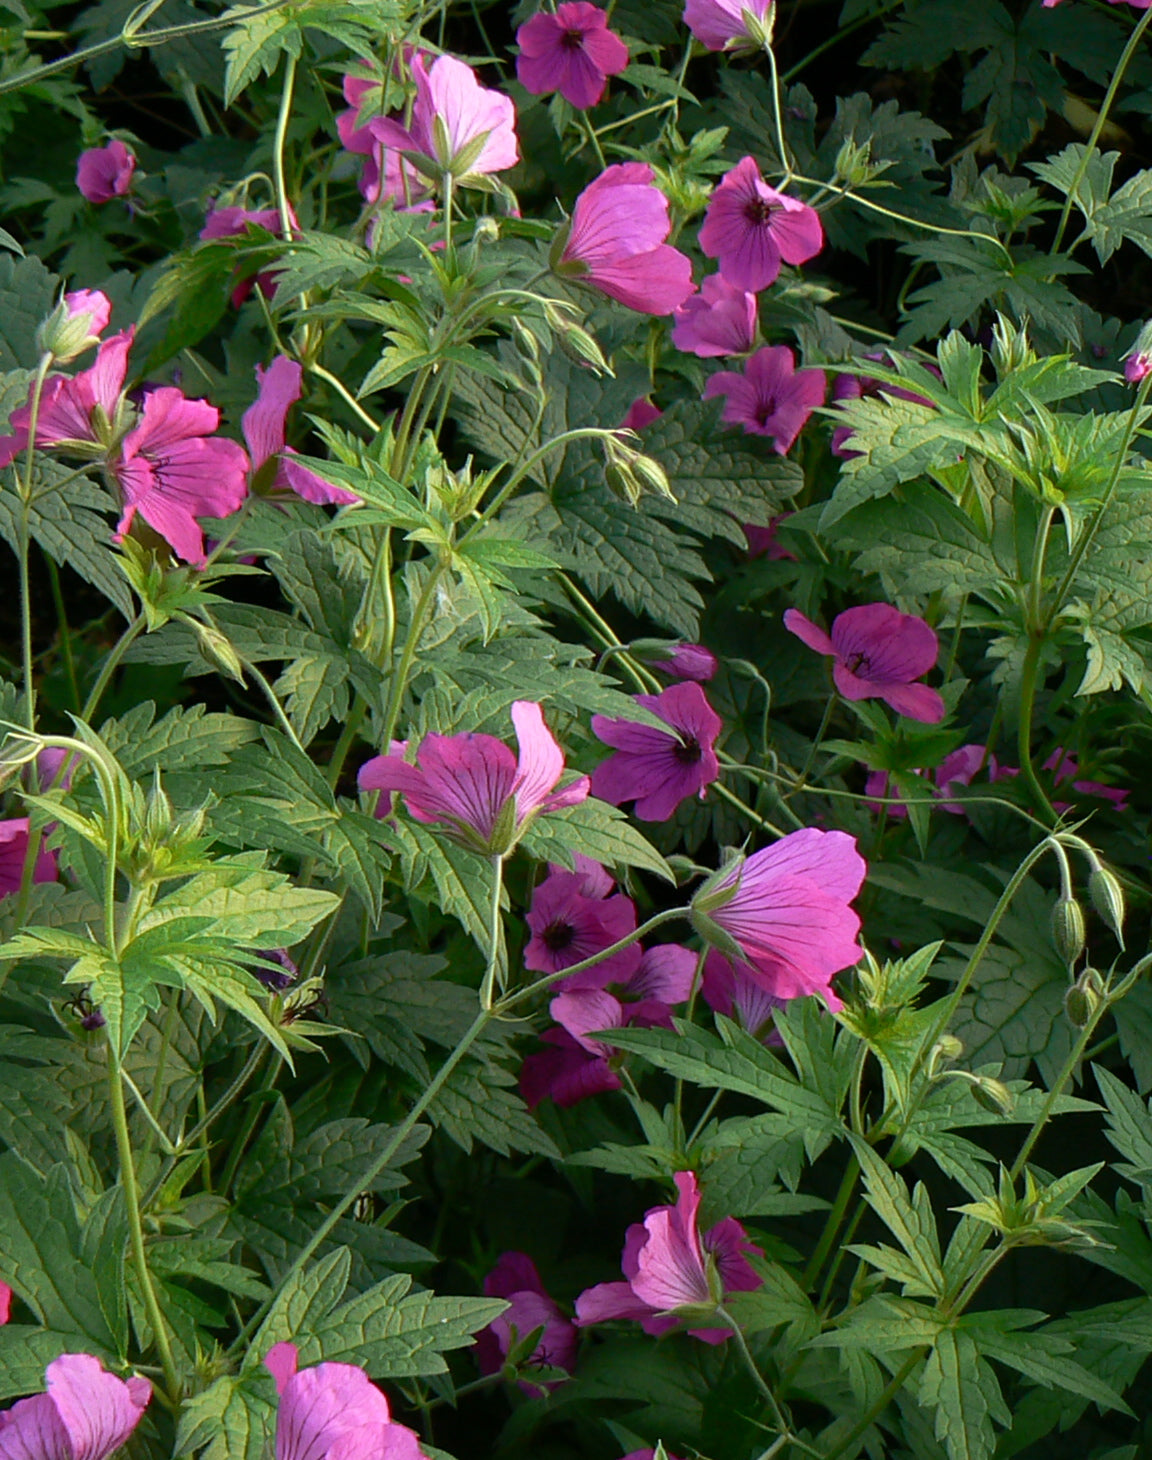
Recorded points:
(855, 387)
(104, 173)
(5, 1302)
(732, 989)
(568, 926)
(673, 1272)
(572, 52)
(644, 997)
(689, 661)
(475, 787)
(386, 174)
(458, 123)
(333, 1412)
(86, 1413)
(771, 398)
(264, 425)
(595, 880)
(762, 541)
(641, 413)
(956, 769)
(13, 850)
(720, 320)
(659, 768)
(564, 1072)
(75, 325)
(785, 910)
(530, 1307)
(232, 222)
(752, 229)
(1064, 767)
(615, 242)
(722, 24)
(81, 413)
(878, 652)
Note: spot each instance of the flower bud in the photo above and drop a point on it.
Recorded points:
(1083, 999)
(1107, 897)
(217, 650)
(1138, 360)
(652, 475)
(993, 1095)
(579, 345)
(1068, 929)
(75, 325)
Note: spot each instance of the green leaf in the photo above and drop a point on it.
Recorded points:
(596, 830)
(962, 1390)
(243, 903)
(910, 1222)
(27, 294)
(233, 1419)
(25, 1352)
(1044, 1357)
(255, 43)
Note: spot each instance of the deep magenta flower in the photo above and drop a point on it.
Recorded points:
(615, 242)
(264, 425)
(530, 1307)
(104, 173)
(752, 229)
(572, 52)
(856, 387)
(644, 997)
(569, 926)
(564, 1071)
(13, 850)
(956, 769)
(475, 787)
(672, 1272)
(785, 910)
(878, 652)
(86, 1413)
(720, 320)
(689, 661)
(1065, 767)
(763, 542)
(333, 1412)
(732, 989)
(641, 413)
(771, 398)
(722, 24)
(80, 413)
(463, 126)
(232, 222)
(659, 768)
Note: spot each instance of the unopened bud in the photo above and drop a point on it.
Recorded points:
(652, 475)
(1083, 999)
(1068, 929)
(853, 163)
(1107, 897)
(579, 345)
(948, 1047)
(526, 343)
(75, 325)
(1138, 360)
(621, 483)
(217, 650)
(993, 1095)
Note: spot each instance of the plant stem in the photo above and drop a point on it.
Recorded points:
(411, 643)
(734, 801)
(271, 1075)
(346, 396)
(1029, 675)
(110, 665)
(497, 960)
(64, 631)
(283, 117)
(758, 1378)
(869, 1418)
(815, 748)
(832, 1224)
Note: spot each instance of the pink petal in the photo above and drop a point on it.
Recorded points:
(263, 422)
(541, 761)
(808, 632)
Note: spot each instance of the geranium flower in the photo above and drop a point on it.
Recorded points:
(104, 173)
(762, 541)
(569, 926)
(529, 1307)
(13, 849)
(656, 768)
(771, 398)
(878, 652)
(462, 125)
(641, 413)
(386, 174)
(732, 989)
(86, 1413)
(572, 52)
(595, 879)
(80, 412)
(720, 320)
(856, 387)
(75, 325)
(232, 222)
(956, 769)
(689, 661)
(475, 787)
(722, 24)
(785, 910)
(752, 229)
(673, 1272)
(264, 426)
(615, 242)
(564, 1072)
(333, 1412)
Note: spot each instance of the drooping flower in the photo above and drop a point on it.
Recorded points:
(641, 413)
(753, 229)
(80, 413)
(672, 1273)
(723, 25)
(689, 661)
(333, 1412)
(463, 126)
(732, 989)
(530, 1307)
(86, 1413)
(786, 911)
(13, 850)
(572, 52)
(771, 398)
(386, 174)
(720, 320)
(475, 787)
(878, 652)
(104, 173)
(659, 768)
(569, 926)
(264, 426)
(75, 325)
(615, 242)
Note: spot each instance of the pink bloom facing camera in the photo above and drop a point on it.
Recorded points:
(753, 229)
(659, 768)
(572, 52)
(104, 173)
(529, 1307)
(333, 1412)
(771, 398)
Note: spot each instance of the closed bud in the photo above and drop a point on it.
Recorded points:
(1068, 929)
(949, 1047)
(75, 325)
(1083, 999)
(578, 345)
(1107, 897)
(652, 475)
(526, 343)
(217, 650)
(993, 1095)
(853, 163)
(621, 483)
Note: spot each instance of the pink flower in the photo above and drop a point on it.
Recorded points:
(752, 229)
(659, 768)
(104, 173)
(232, 222)
(785, 910)
(721, 24)
(86, 1414)
(956, 769)
(333, 1412)
(762, 542)
(529, 1308)
(673, 1272)
(13, 850)
(615, 242)
(732, 989)
(460, 124)
(473, 785)
(75, 325)
(641, 413)
(1064, 767)
(264, 430)
(878, 651)
(569, 926)
(386, 172)
(78, 413)
(564, 1071)
(720, 320)
(854, 387)
(689, 661)
(772, 398)
(595, 880)
(5, 1302)
(572, 52)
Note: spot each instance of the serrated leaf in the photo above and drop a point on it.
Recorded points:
(962, 1390)
(596, 830)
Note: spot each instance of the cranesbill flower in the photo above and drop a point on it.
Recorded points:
(572, 52)
(530, 1307)
(722, 24)
(564, 1071)
(752, 229)
(720, 320)
(80, 413)
(956, 769)
(75, 325)
(104, 173)
(333, 1412)
(785, 911)
(264, 426)
(232, 222)
(595, 879)
(659, 768)
(386, 174)
(644, 998)
(672, 1272)
(641, 413)
(771, 398)
(568, 926)
(763, 542)
(475, 787)
(615, 242)
(731, 988)
(878, 652)
(86, 1413)
(689, 661)
(855, 387)
(463, 126)
(1065, 767)
(13, 850)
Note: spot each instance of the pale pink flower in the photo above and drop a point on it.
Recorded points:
(78, 413)
(572, 52)
(92, 306)
(264, 425)
(530, 1307)
(771, 398)
(656, 768)
(721, 24)
(615, 242)
(463, 126)
(641, 413)
(333, 1412)
(720, 320)
(752, 229)
(13, 849)
(568, 926)
(878, 652)
(104, 173)
(86, 1413)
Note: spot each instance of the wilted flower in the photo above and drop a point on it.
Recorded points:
(86, 1414)
(720, 320)
(13, 850)
(659, 768)
(771, 398)
(463, 126)
(104, 173)
(529, 1308)
(572, 52)
(723, 24)
(569, 926)
(264, 427)
(752, 229)
(75, 325)
(333, 1412)
(878, 651)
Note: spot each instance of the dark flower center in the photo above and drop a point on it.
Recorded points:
(765, 410)
(572, 40)
(757, 211)
(688, 751)
(856, 662)
(558, 936)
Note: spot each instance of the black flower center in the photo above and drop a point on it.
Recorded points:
(572, 40)
(857, 661)
(757, 211)
(558, 936)
(688, 751)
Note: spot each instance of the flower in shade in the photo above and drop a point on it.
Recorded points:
(333, 1412)
(1064, 768)
(723, 24)
(659, 768)
(752, 229)
(386, 174)
(763, 542)
(856, 387)
(233, 222)
(720, 320)
(615, 242)
(673, 1272)
(595, 879)
(75, 325)
(956, 769)
(530, 1308)
(13, 850)
(5, 1302)
(568, 926)
(81, 413)
(281, 975)
(104, 173)
(771, 398)
(878, 652)
(641, 413)
(785, 911)
(689, 661)
(264, 427)
(572, 52)
(463, 126)
(731, 988)
(475, 787)
(564, 1071)
(86, 1413)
